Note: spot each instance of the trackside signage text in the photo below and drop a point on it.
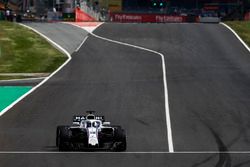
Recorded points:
(128, 18)
(165, 19)
(142, 18)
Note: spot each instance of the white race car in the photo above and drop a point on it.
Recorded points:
(90, 132)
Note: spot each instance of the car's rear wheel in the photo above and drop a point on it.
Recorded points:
(63, 138)
(57, 134)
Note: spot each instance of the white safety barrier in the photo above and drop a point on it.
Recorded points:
(209, 19)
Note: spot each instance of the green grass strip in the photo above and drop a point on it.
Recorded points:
(23, 51)
(8, 94)
(242, 28)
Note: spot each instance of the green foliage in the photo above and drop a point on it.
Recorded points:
(23, 51)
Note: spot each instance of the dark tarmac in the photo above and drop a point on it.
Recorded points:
(208, 77)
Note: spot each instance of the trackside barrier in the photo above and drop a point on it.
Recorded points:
(144, 18)
(82, 16)
(209, 19)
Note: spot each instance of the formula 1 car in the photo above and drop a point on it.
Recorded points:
(90, 132)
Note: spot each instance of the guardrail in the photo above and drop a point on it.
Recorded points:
(209, 20)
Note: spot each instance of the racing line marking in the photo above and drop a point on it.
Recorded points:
(77, 49)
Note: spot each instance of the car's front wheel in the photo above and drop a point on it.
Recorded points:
(120, 138)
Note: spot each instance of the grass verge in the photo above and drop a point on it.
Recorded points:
(23, 51)
(242, 28)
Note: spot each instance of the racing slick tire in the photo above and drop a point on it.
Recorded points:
(57, 134)
(120, 138)
(63, 138)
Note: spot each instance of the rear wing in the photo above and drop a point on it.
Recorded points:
(78, 118)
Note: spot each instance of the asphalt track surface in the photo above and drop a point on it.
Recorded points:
(208, 76)
(67, 36)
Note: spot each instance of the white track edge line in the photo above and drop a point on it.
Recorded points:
(168, 120)
(239, 38)
(129, 152)
(84, 40)
(46, 79)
